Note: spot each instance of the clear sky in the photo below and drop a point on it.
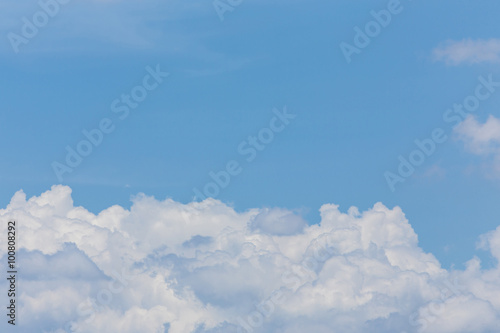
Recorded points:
(353, 119)
(120, 118)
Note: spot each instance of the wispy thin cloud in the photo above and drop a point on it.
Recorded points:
(468, 51)
(482, 140)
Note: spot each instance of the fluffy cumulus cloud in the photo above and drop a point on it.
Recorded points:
(482, 139)
(468, 51)
(163, 266)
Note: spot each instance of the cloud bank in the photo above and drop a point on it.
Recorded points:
(163, 266)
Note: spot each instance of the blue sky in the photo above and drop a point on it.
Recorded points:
(258, 102)
(353, 120)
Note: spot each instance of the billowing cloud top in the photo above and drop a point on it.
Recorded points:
(163, 266)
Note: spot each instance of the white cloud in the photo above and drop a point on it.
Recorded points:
(277, 222)
(479, 138)
(203, 267)
(482, 139)
(468, 51)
